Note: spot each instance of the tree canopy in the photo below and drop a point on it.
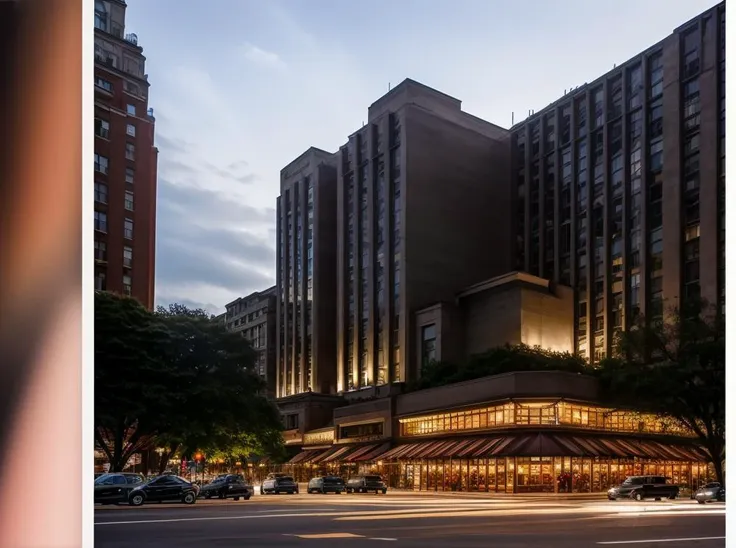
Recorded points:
(495, 361)
(177, 379)
(675, 367)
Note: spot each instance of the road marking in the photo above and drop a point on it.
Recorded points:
(326, 536)
(690, 539)
(380, 538)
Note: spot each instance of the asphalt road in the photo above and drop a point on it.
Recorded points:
(425, 521)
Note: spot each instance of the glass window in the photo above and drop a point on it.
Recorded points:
(129, 175)
(102, 128)
(130, 151)
(101, 163)
(101, 221)
(127, 285)
(429, 344)
(128, 229)
(128, 256)
(100, 192)
(130, 130)
(130, 109)
(128, 200)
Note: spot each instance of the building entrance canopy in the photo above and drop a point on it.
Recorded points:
(341, 453)
(535, 444)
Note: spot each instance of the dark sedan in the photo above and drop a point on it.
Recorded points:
(229, 486)
(326, 484)
(283, 484)
(711, 492)
(115, 488)
(167, 488)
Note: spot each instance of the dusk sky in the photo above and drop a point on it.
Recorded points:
(240, 88)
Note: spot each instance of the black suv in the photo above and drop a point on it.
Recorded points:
(644, 487)
(363, 484)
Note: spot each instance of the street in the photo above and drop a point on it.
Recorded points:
(425, 520)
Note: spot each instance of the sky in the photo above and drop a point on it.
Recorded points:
(240, 88)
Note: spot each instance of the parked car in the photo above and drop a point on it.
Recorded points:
(644, 487)
(711, 492)
(228, 486)
(326, 484)
(115, 488)
(282, 484)
(168, 488)
(363, 484)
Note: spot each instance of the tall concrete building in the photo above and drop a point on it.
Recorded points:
(254, 317)
(125, 160)
(620, 185)
(423, 211)
(305, 275)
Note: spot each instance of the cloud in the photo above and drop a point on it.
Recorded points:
(204, 235)
(261, 57)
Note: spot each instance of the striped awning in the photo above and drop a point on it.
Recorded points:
(543, 444)
(367, 453)
(306, 456)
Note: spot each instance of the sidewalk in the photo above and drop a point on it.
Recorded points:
(558, 496)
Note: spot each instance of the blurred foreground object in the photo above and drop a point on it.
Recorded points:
(40, 258)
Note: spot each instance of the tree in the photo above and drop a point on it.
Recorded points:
(495, 361)
(130, 377)
(177, 378)
(219, 395)
(675, 367)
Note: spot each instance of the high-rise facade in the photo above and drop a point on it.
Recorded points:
(619, 185)
(423, 209)
(125, 160)
(254, 317)
(305, 275)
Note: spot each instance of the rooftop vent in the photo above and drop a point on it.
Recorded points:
(132, 38)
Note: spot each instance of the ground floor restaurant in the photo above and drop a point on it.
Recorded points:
(519, 464)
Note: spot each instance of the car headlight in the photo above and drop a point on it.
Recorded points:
(708, 493)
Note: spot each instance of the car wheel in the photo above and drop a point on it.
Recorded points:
(383, 491)
(189, 498)
(221, 496)
(246, 497)
(701, 502)
(638, 496)
(672, 497)
(276, 492)
(136, 500)
(323, 491)
(236, 498)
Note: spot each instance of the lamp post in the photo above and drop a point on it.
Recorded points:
(160, 451)
(198, 459)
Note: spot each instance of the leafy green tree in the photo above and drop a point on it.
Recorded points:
(219, 396)
(176, 378)
(131, 377)
(503, 359)
(675, 367)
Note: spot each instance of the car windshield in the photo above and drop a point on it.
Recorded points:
(633, 481)
(333, 481)
(285, 479)
(373, 478)
(711, 485)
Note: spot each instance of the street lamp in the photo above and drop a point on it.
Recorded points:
(160, 451)
(198, 459)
